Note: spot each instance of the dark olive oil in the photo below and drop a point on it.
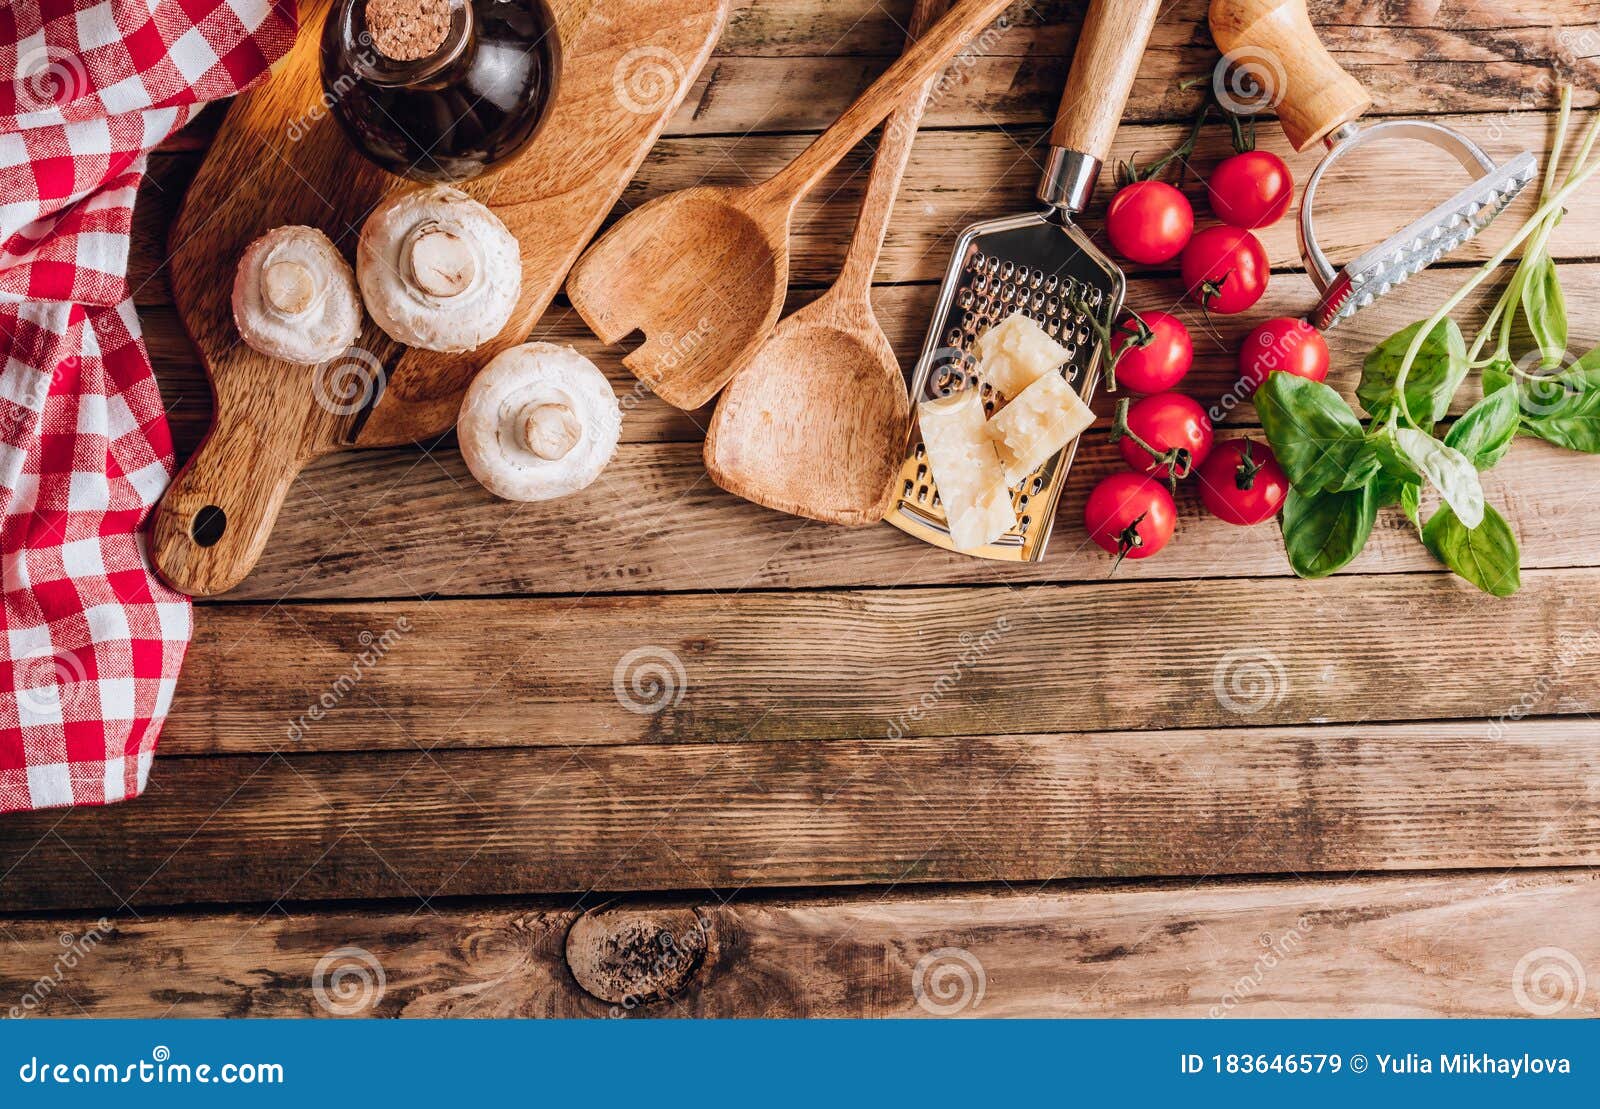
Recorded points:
(476, 95)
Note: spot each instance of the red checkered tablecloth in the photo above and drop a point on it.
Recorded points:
(93, 639)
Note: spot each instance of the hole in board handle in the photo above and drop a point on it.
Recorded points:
(208, 525)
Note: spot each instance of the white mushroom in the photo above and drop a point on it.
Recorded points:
(538, 423)
(438, 269)
(295, 298)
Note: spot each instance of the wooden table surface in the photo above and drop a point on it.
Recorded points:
(854, 768)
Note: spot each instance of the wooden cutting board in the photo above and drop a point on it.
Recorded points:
(280, 158)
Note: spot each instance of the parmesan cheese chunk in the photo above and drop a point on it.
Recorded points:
(1042, 419)
(1016, 352)
(966, 469)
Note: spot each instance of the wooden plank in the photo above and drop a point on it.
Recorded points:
(418, 825)
(955, 177)
(794, 65)
(719, 668)
(1395, 946)
(396, 524)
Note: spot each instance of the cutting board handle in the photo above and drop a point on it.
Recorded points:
(1276, 40)
(215, 519)
(1110, 47)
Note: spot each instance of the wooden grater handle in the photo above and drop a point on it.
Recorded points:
(897, 84)
(1110, 47)
(1276, 39)
(215, 518)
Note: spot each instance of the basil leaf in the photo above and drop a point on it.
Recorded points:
(1572, 422)
(1447, 469)
(1322, 532)
(1363, 469)
(1564, 408)
(1312, 431)
(1545, 309)
(1485, 431)
(1411, 505)
(1486, 555)
(1439, 369)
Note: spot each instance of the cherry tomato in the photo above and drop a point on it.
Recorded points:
(1242, 482)
(1175, 428)
(1154, 357)
(1225, 269)
(1130, 516)
(1251, 190)
(1290, 345)
(1149, 222)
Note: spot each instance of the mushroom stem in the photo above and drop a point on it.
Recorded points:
(550, 430)
(442, 263)
(289, 287)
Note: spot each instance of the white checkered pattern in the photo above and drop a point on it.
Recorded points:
(93, 640)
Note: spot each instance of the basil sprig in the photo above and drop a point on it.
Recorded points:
(1342, 471)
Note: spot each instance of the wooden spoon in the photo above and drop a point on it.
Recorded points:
(815, 424)
(703, 272)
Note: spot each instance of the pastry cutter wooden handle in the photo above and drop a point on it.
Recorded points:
(1284, 64)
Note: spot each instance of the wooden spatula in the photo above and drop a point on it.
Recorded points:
(703, 272)
(815, 424)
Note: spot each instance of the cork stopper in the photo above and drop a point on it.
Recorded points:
(408, 30)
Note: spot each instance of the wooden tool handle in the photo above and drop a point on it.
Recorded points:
(888, 167)
(1110, 47)
(913, 68)
(215, 519)
(1276, 39)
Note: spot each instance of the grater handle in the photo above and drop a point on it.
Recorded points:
(1110, 47)
(1274, 48)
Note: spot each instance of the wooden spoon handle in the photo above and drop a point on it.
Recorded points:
(1276, 40)
(215, 518)
(1110, 47)
(915, 66)
(888, 167)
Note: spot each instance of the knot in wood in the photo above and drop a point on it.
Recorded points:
(636, 957)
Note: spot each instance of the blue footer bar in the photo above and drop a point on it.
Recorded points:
(835, 1063)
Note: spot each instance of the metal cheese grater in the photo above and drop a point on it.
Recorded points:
(1042, 265)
